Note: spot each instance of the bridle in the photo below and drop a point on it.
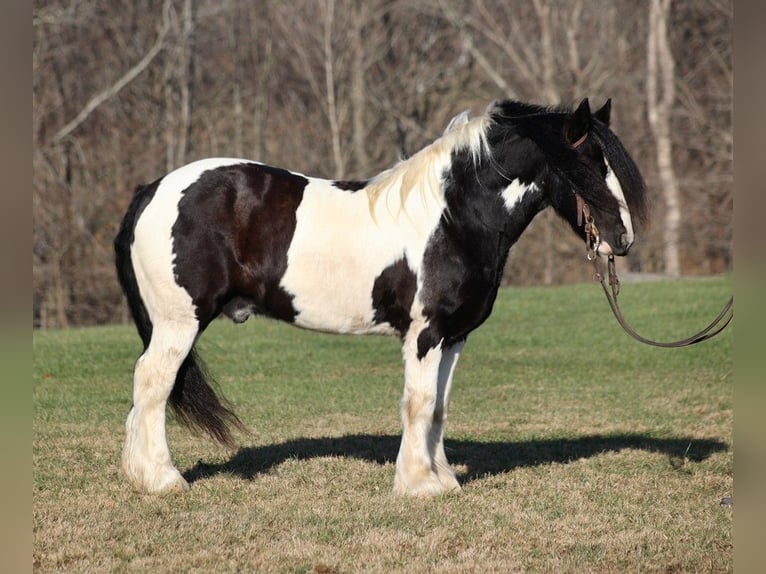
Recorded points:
(592, 242)
(592, 237)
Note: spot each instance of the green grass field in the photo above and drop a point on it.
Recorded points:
(578, 449)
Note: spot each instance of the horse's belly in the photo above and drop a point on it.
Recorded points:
(329, 294)
(340, 319)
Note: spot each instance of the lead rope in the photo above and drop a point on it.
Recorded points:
(592, 242)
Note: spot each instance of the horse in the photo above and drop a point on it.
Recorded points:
(417, 251)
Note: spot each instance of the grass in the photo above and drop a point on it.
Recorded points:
(579, 450)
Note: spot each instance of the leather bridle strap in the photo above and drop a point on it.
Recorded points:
(716, 325)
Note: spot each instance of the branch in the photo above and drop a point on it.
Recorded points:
(108, 93)
(469, 44)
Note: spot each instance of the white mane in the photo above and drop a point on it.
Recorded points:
(423, 171)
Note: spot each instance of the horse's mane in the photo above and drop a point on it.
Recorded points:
(631, 180)
(423, 170)
(541, 124)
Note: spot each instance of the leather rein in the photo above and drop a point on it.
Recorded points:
(592, 241)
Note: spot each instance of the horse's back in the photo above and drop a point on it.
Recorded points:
(242, 237)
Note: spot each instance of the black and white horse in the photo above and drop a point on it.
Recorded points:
(417, 251)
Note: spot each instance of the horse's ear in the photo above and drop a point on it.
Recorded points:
(604, 112)
(577, 124)
(458, 120)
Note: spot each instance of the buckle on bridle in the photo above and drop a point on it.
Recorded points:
(592, 236)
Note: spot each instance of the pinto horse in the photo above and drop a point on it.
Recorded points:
(417, 251)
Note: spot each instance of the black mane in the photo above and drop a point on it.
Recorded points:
(631, 180)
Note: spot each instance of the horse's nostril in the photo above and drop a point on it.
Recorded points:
(625, 242)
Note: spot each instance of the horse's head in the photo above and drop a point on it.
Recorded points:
(577, 164)
(601, 185)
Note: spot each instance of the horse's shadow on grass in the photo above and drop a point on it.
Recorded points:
(480, 458)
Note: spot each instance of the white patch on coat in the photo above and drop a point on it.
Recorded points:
(340, 247)
(514, 193)
(145, 455)
(613, 183)
(440, 464)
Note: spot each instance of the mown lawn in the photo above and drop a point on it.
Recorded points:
(579, 450)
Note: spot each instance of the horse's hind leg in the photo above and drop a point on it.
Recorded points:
(145, 456)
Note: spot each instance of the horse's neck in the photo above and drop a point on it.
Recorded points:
(506, 210)
(490, 222)
(521, 214)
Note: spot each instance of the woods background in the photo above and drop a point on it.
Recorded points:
(124, 92)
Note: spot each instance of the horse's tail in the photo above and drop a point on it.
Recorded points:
(195, 403)
(193, 400)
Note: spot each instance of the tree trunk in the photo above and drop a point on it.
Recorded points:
(236, 81)
(261, 58)
(329, 74)
(178, 80)
(660, 97)
(551, 94)
(358, 94)
(186, 69)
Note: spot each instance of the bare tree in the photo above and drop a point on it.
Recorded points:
(124, 92)
(660, 87)
(112, 90)
(329, 73)
(358, 93)
(701, 37)
(178, 85)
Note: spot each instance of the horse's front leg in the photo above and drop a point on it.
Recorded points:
(447, 366)
(416, 466)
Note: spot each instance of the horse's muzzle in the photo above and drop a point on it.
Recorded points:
(621, 247)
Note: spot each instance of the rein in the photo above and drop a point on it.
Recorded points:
(592, 242)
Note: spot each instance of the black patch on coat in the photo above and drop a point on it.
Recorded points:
(464, 259)
(351, 184)
(234, 227)
(392, 296)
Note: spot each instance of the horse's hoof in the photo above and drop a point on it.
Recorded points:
(428, 488)
(167, 482)
(177, 485)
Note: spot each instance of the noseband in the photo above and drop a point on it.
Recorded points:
(592, 242)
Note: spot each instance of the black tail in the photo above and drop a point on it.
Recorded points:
(196, 404)
(193, 400)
